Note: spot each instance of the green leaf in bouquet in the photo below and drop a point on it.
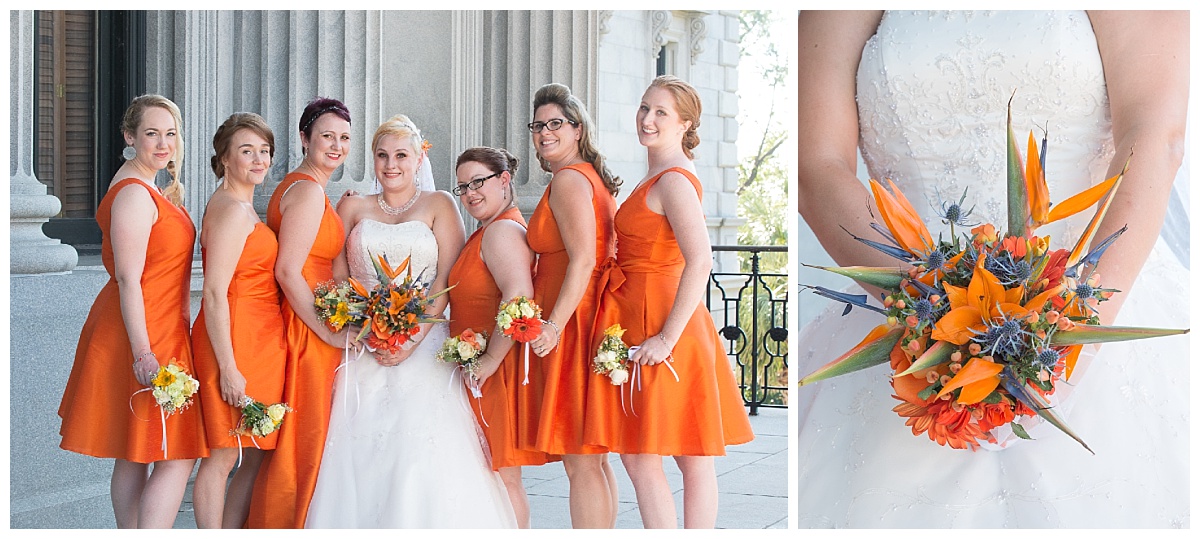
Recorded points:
(873, 350)
(1083, 334)
(1020, 431)
(886, 278)
(1018, 199)
(1037, 403)
(937, 354)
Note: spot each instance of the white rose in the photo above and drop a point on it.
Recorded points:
(275, 412)
(605, 356)
(618, 376)
(504, 320)
(465, 350)
(526, 310)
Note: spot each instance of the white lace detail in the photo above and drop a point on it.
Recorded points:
(958, 83)
(396, 241)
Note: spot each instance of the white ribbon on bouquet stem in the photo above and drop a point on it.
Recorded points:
(162, 416)
(635, 379)
(346, 375)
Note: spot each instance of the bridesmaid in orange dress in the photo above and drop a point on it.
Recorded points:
(571, 231)
(494, 266)
(665, 257)
(310, 237)
(139, 319)
(238, 339)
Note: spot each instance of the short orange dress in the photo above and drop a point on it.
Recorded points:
(566, 372)
(98, 416)
(288, 474)
(702, 412)
(259, 346)
(474, 302)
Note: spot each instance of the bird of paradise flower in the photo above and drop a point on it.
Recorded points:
(979, 331)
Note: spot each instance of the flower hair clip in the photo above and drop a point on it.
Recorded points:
(425, 146)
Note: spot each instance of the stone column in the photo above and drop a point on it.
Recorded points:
(30, 251)
(525, 50)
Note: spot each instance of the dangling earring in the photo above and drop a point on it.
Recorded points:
(128, 153)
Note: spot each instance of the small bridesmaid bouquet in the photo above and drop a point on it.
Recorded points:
(521, 320)
(464, 351)
(340, 304)
(258, 419)
(173, 388)
(612, 357)
(396, 307)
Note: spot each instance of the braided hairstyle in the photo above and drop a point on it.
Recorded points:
(132, 120)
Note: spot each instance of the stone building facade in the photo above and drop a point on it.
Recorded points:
(466, 78)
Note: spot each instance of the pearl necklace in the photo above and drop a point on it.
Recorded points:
(397, 211)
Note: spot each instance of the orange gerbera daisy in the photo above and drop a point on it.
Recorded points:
(524, 329)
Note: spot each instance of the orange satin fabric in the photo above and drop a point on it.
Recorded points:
(289, 473)
(95, 407)
(702, 412)
(259, 346)
(473, 304)
(566, 372)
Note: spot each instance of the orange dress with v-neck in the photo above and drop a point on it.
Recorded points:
(289, 473)
(257, 335)
(474, 302)
(568, 391)
(99, 416)
(702, 412)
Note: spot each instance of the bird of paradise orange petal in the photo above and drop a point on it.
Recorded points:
(902, 220)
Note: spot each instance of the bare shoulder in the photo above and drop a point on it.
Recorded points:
(505, 233)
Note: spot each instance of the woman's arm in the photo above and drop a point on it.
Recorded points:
(679, 203)
(571, 202)
(302, 208)
(831, 197)
(133, 215)
(1145, 59)
(508, 258)
(226, 227)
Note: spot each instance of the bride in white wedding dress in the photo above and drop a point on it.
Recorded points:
(926, 98)
(403, 449)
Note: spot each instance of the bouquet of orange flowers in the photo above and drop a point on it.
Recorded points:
(396, 307)
(520, 319)
(982, 327)
(340, 304)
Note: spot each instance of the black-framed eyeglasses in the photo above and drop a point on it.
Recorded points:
(553, 125)
(472, 185)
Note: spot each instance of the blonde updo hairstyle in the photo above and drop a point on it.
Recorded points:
(132, 120)
(572, 108)
(687, 105)
(400, 126)
(495, 160)
(223, 138)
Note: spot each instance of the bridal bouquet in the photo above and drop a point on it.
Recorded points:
(464, 350)
(396, 307)
(259, 419)
(612, 357)
(340, 304)
(173, 388)
(983, 327)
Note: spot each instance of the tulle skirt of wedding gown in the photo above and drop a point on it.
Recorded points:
(404, 450)
(860, 466)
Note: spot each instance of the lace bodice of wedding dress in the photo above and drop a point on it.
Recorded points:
(408, 239)
(403, 449)
(932, 94)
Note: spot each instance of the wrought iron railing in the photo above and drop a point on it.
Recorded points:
(751, 314)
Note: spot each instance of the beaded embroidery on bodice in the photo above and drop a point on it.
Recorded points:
(396, 241)
(933, 89)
